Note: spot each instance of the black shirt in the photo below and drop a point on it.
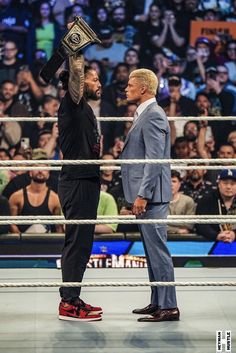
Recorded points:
(30, 210)
(202, 189)
(185, 106)
(213, 204)
(78, 138)
(4, 211)
(28, 99)
(11, 16)
(9, 72)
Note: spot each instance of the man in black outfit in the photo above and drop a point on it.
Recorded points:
(219, 202)
(79, 185)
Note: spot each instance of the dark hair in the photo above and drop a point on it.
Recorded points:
(181, 139)
(232, 41)
(102, 74)
(202, 94)
(95, 15)
(26, 153)
(44, 131)
(5, 151)
(7, 81)
(227, 144)
(176, 174)
(131, 49)
(48, 98)
(192, 122)
(38, 19)
(113, 77)
(64, 76)
(88, 69)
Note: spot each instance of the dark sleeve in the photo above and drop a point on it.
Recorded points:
(4, 211)
(58, 35)
(31, 45)
(108, 95)
(164, 103)
(227, 102)
(209, 231)
(187, 106)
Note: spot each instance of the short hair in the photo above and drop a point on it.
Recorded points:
(132, 49)
(199, 94)
(226, 144)
(48, 98)
(146, 77)
(181, 139)
(228, 43)
(176, 174)
(192, 122)
(4, 150)
(7, 81)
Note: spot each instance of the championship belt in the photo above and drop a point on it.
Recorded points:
(78, 37)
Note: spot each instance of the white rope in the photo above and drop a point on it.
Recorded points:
(115, 118)
(116, 284)
(62, 217)
(118, 161)
(200, 216)
(231, 220)
(54, 168)
(175, 167)
(120, 217)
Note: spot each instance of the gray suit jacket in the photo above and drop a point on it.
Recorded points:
(149, 137)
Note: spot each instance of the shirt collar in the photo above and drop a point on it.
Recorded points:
(144, 105)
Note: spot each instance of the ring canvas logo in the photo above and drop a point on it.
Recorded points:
(223, 341)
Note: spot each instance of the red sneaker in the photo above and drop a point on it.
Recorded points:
(70, 312)
(94, 310)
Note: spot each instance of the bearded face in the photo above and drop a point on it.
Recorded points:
(39, 176)
(92, 86)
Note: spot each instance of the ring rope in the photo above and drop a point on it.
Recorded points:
(120, 221)
(118, 161)
(56, 168)
(58, 219)
(115, 118)
(115, 284)
(120, 217)
(176, 167)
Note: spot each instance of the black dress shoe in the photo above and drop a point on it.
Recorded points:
(150, 309)
(162, 315)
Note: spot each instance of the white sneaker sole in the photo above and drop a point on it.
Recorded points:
(99, 312)
(69, 318)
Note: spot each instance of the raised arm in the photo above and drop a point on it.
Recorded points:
(201, 141)
(76, 78)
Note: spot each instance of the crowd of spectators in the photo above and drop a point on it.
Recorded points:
(197, 80)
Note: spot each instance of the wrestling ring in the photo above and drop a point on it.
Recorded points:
(29, 297)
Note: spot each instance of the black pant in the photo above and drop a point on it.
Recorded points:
(79, 200)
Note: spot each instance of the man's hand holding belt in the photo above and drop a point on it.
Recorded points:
(79, 35)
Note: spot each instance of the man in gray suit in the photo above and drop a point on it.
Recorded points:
(148, 188)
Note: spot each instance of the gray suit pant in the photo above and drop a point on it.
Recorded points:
(159, 261)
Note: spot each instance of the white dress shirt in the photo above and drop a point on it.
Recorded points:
(142, 107)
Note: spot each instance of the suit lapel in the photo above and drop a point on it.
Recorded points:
(137, 122)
